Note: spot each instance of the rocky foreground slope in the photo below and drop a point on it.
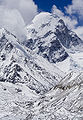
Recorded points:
(41, 78)
(63, 102)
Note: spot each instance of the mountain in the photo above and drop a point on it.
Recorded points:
(19, 65)
(49, 37)
(41, 78)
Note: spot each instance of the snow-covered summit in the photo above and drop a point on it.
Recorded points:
(49, 37)
(41, 17)
(43, 21)
(42, 39)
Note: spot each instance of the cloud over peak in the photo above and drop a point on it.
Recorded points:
(15, 14)
(75, 8)
(27, 8)
(73, 16)
(70, 22)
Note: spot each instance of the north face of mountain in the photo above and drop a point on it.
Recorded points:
(48, 36)
(67, 38)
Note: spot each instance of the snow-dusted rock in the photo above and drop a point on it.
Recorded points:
(48, 36)
(19, 65)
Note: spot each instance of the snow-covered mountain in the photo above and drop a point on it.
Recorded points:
(41, 78)
(19, 65)
(49, 37)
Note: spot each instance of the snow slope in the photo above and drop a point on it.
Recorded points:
(63, 102)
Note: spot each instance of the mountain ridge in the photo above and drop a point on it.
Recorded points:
(41, 78)
(18, 64)
(49, 37)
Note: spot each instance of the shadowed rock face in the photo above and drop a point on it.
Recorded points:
(50, 52)
(67, 37)
(50, 38)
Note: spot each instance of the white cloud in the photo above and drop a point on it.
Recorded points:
(27, 8)
(56, 11)
(71, 23)
(76, 8)
(12, 21)
(15, 14)
(79, 31)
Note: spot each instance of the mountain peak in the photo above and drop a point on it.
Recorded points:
(41, 16)
(45, 18)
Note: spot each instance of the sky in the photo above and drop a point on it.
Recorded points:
(16, 14)
(46, 5)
